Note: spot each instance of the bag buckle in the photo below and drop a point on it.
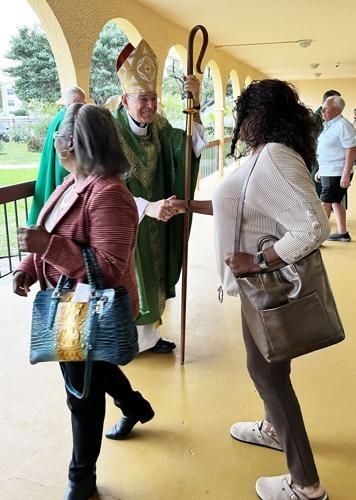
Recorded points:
(100, 305)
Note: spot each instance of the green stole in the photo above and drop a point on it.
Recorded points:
(157, 172)
(50, 173)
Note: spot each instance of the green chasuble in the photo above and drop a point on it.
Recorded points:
(50, 173)
(157, 172)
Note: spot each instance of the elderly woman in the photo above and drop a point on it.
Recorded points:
(280, 201)
(91, 208)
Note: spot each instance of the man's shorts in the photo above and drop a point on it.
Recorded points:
(331, 191)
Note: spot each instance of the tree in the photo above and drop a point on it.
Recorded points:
(104, 82)
(173, 95)
(36, 76)
(207, 90)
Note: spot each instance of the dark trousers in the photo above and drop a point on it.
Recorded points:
(88, 414)
(272, 381)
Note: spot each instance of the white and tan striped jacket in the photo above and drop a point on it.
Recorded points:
(280, 201)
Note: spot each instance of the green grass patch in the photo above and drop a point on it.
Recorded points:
(16, 153)
(15, 176)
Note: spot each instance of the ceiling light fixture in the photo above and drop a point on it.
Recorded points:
(317, 75)
(302, 43)
(305, 43)
(314, 65)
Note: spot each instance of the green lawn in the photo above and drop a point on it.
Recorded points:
(15, 153)
(14, 176)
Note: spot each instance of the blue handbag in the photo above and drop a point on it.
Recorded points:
(101, 329)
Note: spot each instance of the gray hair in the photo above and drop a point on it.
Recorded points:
(95, 141)
(73, 94)
(337, 102)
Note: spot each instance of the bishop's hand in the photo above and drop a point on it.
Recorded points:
(161, 210)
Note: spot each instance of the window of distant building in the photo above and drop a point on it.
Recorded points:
(10, 92)
(11, 103)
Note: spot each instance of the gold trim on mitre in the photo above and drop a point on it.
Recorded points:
(137, 68)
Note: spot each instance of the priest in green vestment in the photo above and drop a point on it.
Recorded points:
(50, 172)
(155, 151)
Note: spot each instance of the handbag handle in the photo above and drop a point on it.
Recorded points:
(95, 277)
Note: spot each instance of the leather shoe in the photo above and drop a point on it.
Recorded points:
(163, 346)
(81, 490)
(123, 428)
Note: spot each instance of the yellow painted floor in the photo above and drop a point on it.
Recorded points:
(186, 452)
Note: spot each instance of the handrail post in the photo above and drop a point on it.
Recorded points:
(219, 135)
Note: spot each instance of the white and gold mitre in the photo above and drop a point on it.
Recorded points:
(137, 68)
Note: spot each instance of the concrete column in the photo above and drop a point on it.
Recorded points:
(219, 134)
(82, 81)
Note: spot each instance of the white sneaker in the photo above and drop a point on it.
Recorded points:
(280, 488)
(253, 433)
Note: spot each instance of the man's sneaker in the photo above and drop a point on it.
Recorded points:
(340, 237)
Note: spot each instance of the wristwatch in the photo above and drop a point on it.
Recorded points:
(260, 260)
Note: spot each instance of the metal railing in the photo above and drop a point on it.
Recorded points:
(227, 147)
(209, 162)
(13, 213)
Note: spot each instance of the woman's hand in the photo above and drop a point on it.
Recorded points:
(178, 205)
(242, 263)
(33, 239)
(21, 283)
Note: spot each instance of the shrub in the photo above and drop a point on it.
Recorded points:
(21, 133)
(20, 112)
(35, 144)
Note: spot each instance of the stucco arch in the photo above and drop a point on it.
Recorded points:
(65, 66)
(248, 80)
(182, 54)
(171, 94)
(236, 87)
(129, 29)
(218, 86)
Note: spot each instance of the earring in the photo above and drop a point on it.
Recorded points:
(62, 156)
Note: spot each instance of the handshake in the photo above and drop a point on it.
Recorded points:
(164, 210)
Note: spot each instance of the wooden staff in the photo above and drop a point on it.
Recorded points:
(189, 111)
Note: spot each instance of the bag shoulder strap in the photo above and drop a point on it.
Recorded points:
(240, 208)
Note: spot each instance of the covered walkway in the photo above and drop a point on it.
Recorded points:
(186, 452)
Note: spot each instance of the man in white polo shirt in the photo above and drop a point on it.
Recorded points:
(336, 154)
